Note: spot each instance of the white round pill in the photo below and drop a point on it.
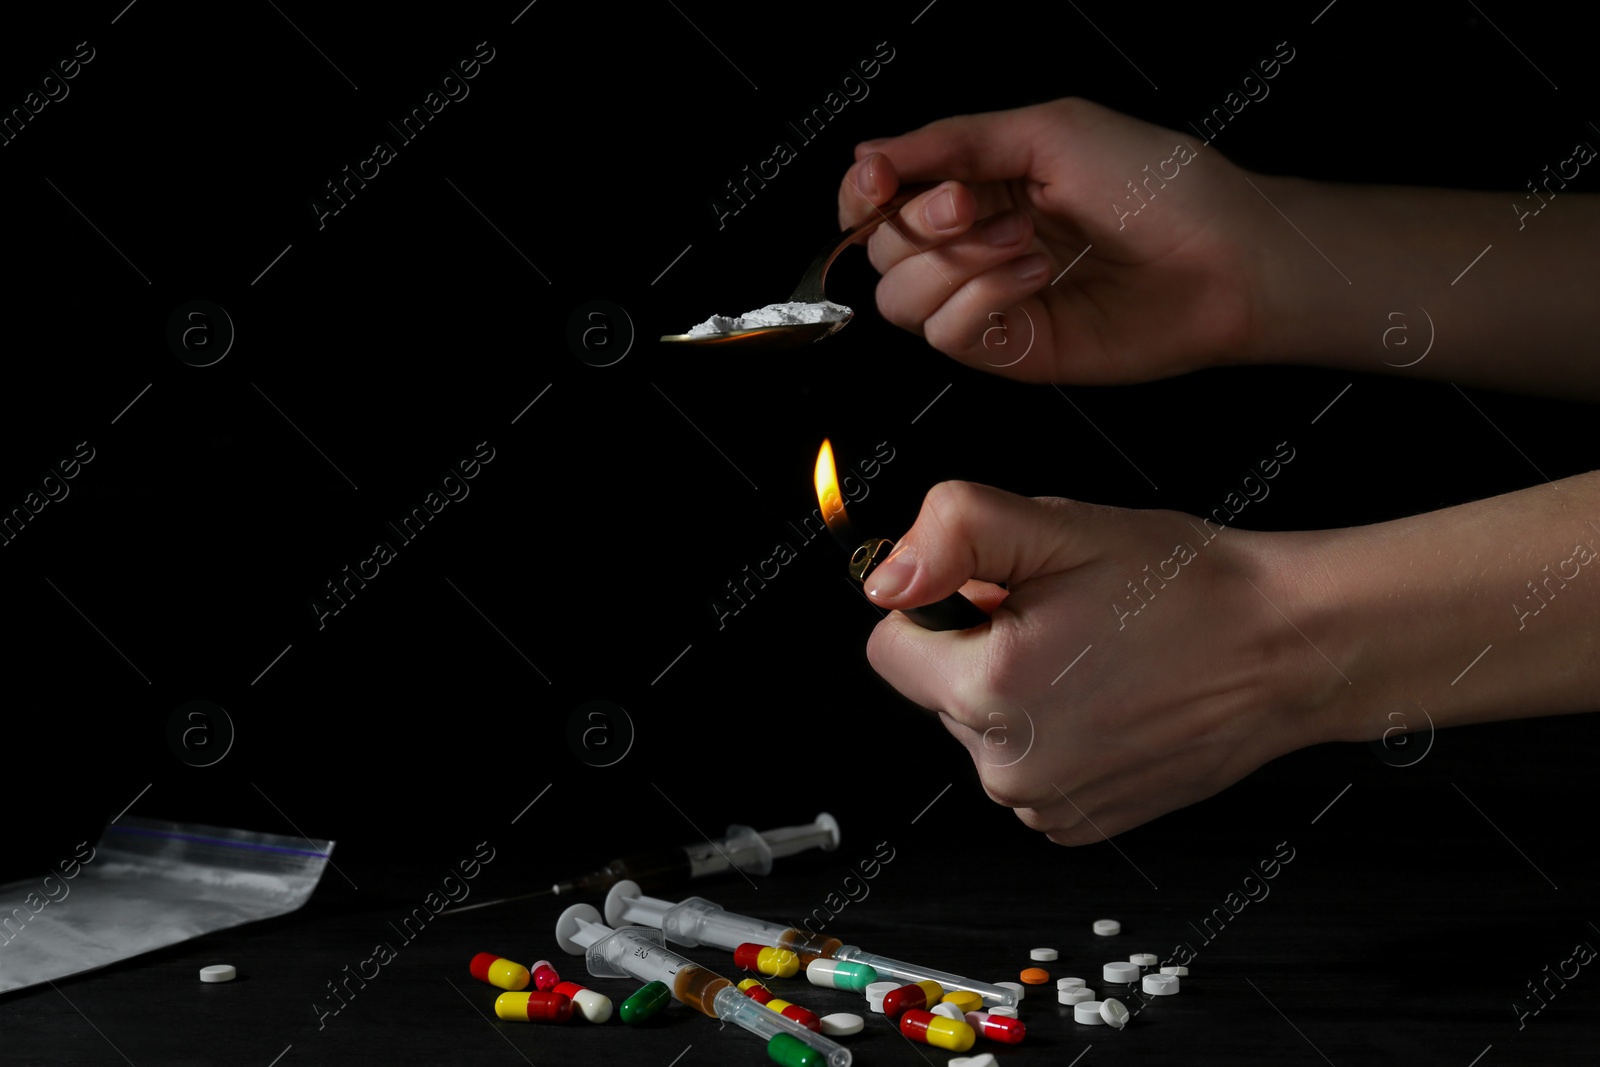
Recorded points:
(1016, 987)
(1183, 971)
(1107, 927)
(1044, 955)
(1114, 1013)
(984, 1060)
(220, 972)
(1003, 1011)
(1120, 972)
(842, 1024)
(1144, 959)
(949, 1011)
(1088, 1013)
(1161, 985)
(1074, 996)
(1070, 983)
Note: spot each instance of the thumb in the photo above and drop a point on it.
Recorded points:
(966, 530)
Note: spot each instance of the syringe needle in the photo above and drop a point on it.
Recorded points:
(502, 900)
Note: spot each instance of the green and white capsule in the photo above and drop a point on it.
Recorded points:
(839, 974)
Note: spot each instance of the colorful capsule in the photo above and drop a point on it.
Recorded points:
(997, 1027)
(533, 1007)
(839, 974)
(772, 962)
(964, 999)
(595, 1007)
(645, 1003)
(544, 976)
(789, 1051)
(936, 1030)
(918, 995)
(762, 995)
(499, 971)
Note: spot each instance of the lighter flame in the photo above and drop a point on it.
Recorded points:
(827, 482)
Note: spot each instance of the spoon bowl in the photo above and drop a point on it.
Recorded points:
(765, 338)
(809, 291)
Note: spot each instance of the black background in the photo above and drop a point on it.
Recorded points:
(378, 350)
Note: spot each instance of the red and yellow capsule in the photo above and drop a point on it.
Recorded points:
(930, 1029)
(772, 962)
(997, 1027)
(533, 1007)
(762, 995)
(595, 1007)
(499, 971)
(918, 995)
(544, 976)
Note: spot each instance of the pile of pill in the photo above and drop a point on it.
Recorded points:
(551, 1000)
(923, 1011)
(1139, 967)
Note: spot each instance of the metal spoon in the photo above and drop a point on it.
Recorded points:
(809, 291)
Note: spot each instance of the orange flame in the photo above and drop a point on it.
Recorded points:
(827, 482)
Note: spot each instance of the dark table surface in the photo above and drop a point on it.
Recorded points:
(1412, 909)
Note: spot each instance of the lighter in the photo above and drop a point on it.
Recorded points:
(954, 612)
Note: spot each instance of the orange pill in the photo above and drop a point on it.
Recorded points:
(1036, 976)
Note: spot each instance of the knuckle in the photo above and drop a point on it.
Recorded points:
(895, 305)
(1070, 106)
(1003, 792)
(1035, 819)
(878, 648)
(951, 333)
(1010, 788)
(948, 502)
(940, 335)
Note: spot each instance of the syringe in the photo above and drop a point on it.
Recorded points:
(698, 921)
(743, 849)
(636, 952)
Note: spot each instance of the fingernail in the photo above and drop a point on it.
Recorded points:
(866, 179)
(891, 577)
(1030, 268)
(871, 143)
(941, 211)
(1006, 230)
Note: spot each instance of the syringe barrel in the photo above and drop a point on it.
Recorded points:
(636, 952)
(743, 850)
(684, 923)
(807, 945)
(734, 1007)
(696, 921)
(911, 972)
(789, 840)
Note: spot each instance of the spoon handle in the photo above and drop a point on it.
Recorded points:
(810, 290)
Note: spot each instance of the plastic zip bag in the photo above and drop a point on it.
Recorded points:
(144, 885)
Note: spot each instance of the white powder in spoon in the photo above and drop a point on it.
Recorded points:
(772, 315)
